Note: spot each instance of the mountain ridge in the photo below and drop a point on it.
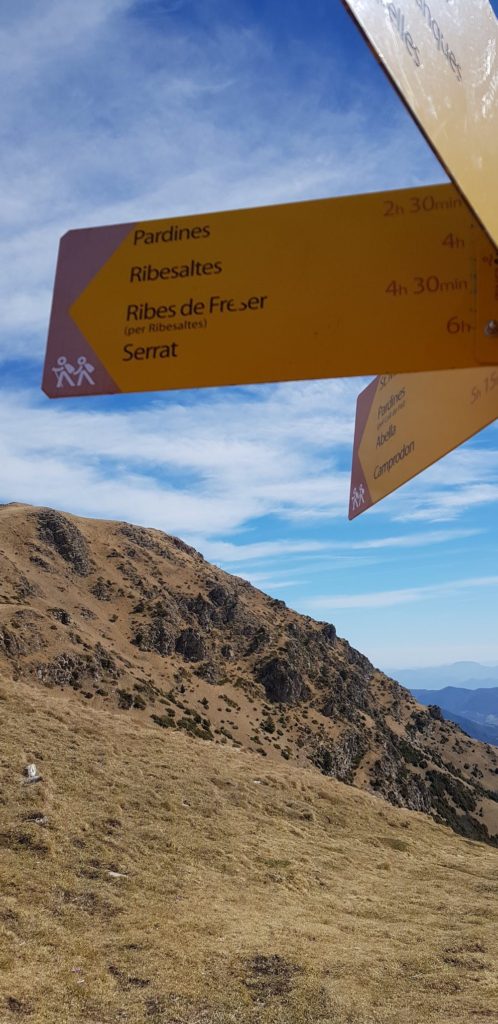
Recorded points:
(479, 705)
(469, 674)
(122, 616)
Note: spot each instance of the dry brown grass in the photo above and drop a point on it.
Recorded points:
(254, 893)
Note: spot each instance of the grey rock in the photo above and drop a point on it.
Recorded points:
(64, 537)
(282, 682)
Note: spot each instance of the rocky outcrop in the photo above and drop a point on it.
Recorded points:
(22, 635)
(61, 534)
(190, 645)
(283, 684)
(342, 758)
(156, 635)
(77, 669)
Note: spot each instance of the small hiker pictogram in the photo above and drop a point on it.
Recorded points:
(358, 497)
(73, 376)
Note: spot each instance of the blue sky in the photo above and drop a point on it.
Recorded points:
(123, 110)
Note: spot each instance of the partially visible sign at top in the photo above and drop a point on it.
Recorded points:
(442, 56)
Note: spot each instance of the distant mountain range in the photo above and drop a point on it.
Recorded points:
(475, 711)
(469, 674)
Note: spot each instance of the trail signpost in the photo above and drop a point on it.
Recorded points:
(401, 284)
(442, 56)
(389, 282)
(406, 422)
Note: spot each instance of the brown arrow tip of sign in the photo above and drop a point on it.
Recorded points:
(71, 366)
(359, 498)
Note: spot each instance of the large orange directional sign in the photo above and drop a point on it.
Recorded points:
(406, 422)
(331, 288)
(442, 56)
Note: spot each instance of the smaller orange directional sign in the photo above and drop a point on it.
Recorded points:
(330, 288)
(442, 56)
(406, 422)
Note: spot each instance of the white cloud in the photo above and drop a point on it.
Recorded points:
(32, 33)
(236, 554)
(202, 469)
(412, 540)
(392, 598)
(205, 469)
(117, 117)
(463, 480)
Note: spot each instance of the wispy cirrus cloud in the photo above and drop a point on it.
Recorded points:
(203, 468)
(406, 595)
(231, 554)
(459, 483)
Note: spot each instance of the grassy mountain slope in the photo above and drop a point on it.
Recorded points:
(152, 879)
(119, 616)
